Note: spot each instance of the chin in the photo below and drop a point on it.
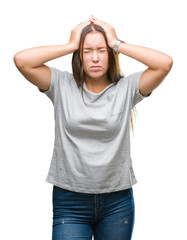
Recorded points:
(96, 74)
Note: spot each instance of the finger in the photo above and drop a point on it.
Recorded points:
(93, 17)
(98, 20)
(91, 20)
(82, 24)
(85, 23)
(101, 23)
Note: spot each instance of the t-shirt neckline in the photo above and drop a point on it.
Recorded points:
(85, 87)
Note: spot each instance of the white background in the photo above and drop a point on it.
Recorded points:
(158, 147)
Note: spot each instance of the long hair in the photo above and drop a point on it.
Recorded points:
(114, 72)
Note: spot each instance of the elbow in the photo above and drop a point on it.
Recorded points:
(168, 64)
(18, 60)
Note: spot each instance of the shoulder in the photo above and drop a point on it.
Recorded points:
(60, 75)
(132, 78)
(60, 72)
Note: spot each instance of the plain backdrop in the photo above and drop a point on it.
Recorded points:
(158, 146)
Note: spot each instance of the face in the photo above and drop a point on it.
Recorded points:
(95, 54)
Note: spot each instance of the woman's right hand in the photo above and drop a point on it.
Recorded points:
(76, 33)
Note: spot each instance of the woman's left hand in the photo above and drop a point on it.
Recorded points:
(109, 30)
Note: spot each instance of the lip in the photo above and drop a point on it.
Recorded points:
(95, 67)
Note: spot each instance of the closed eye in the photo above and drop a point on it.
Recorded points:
(89, 51)
(99, 50)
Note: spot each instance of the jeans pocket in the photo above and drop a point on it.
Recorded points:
(57, 192)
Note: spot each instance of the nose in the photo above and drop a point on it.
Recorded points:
(95, 56)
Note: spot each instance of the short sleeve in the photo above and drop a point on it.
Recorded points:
(51, 92)
(134, 85)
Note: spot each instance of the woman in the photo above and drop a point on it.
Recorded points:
(91, 168)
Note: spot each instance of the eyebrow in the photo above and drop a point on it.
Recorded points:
(97, 48)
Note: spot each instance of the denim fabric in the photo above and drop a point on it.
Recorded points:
(106, 216)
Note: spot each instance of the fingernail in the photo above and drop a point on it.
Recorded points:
(91, 20)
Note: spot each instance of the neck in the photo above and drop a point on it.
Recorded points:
(97, 83)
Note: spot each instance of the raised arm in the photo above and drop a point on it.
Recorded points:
(30, 62)
(159, 64)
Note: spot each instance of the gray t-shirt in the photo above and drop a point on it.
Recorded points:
(92, 142)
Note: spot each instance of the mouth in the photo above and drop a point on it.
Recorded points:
(95, 67)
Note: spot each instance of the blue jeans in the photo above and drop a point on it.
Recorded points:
(106, 216)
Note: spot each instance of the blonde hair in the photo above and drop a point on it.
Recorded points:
(134, 111)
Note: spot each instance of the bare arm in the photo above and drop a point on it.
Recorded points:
(159, 64)
(37, 56)
(30, 62)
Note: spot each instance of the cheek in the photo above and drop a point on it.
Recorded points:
(86, 61)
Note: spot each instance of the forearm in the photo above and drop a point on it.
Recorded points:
(150, 57)
(37, 56)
